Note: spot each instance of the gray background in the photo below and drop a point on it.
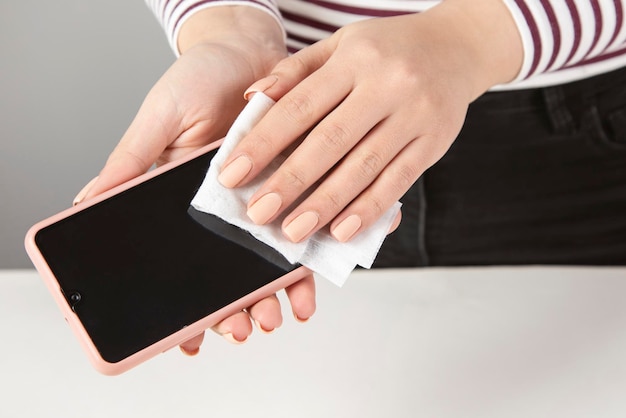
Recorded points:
(73, 75)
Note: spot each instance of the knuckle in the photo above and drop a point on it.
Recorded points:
(406, 76)
(333, 138)
(371, 48)
(141, 164)
(405, 176)
(407, 73)
(375, 205)
(293, 177)
(370, 164)
(291, 64)
(297, 107)
(261, 143)
(333, 201)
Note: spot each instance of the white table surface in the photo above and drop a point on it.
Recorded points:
(467, 342)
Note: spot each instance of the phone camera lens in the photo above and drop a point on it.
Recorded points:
(74, 299)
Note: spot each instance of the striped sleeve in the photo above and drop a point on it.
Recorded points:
(561, 36)
(171, 14)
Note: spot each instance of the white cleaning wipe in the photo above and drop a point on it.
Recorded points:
(321, 253)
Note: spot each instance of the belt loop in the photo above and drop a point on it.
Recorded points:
(557, 111)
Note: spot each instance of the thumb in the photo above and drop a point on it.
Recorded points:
(154, 128)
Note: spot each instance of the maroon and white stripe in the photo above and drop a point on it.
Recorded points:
(308, 21)
(563, 40)
(569, 39)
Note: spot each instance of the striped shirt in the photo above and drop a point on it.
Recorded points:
(563, 40)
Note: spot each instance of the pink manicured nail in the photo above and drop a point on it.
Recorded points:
(263, 209)
(234, 172)
(260, 328)
(83, 192)
(300, 227)
(346, 228)
(260, 85)
(190, 353)
(301, 320)
(231, 339)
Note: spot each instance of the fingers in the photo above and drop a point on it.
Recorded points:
(324, 147)
(354, 166)
(386, 188)
(396, 222)
(236, 328)
(295, 112)
(302, 298)
(191, 347)
(349, 184)
(266, 314)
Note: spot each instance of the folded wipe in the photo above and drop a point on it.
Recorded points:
(321, 253)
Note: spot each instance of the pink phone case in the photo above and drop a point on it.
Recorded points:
(172, 340)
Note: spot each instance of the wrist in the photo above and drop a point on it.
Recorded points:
(488, 39)
(252, 32)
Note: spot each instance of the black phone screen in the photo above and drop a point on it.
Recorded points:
(137, 267)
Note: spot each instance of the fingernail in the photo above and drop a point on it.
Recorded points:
(396, 223)
(300, 227)
(231, 339)
(260, 85)
(260, 328)
(234, 172)
(189, 352)
(83, 192)
(263, 209)
(301, 320)
(346, 228)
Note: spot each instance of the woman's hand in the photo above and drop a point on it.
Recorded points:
(193, 104)
(378, 103)
(199, 96)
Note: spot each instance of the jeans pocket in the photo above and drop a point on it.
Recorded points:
(607, 129)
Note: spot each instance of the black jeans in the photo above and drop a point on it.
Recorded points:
(536, 177)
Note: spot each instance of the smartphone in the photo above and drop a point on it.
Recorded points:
(136, 271)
